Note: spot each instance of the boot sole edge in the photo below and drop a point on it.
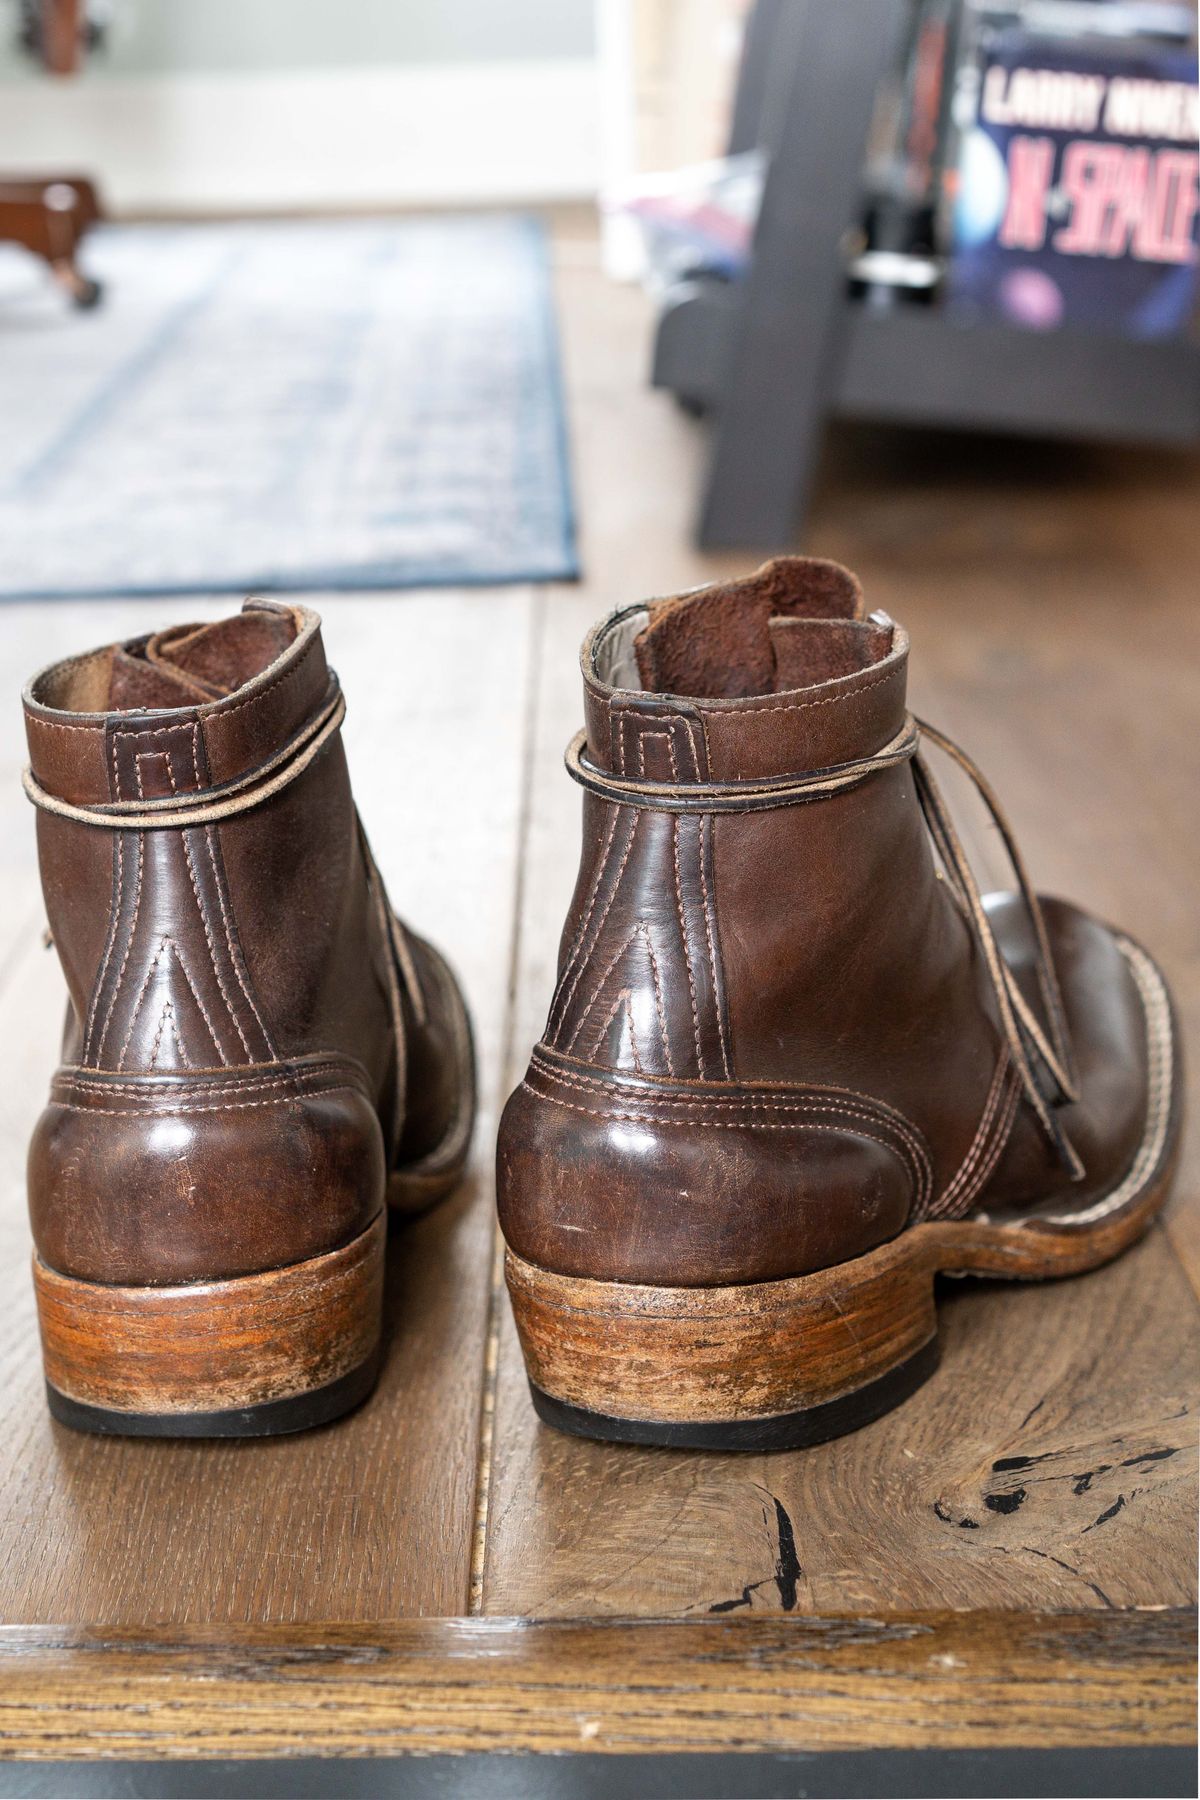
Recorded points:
(250, 1355)
(772, 1365)
(270, 1418)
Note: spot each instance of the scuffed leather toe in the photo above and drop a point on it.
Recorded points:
(1106, 1009)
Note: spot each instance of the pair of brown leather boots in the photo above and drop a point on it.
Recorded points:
(795, 1064)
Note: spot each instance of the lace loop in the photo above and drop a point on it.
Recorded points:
(736, 796)
(1026, 1039)
(205, 806)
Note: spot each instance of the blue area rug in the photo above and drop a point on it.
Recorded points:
(285, 406)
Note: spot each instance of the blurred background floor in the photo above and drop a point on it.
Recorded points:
(1049, 593)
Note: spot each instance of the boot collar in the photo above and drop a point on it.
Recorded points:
(776, 675)
(81, 715)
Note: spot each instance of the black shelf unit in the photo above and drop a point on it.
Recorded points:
(773, 355)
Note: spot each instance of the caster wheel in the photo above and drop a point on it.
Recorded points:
(86, 294)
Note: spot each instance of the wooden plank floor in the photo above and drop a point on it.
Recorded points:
(1050, 595)
(373, 1518)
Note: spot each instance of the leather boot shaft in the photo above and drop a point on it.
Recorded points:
(246, 1057)
(773, 1041)
(796, 1063)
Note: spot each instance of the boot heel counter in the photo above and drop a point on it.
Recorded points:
(693, 1184)
(148, 1179)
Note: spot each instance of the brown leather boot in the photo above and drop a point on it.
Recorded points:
(256, 1053)
(794, 1064)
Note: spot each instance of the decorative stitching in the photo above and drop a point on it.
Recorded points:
(724, 1124)
(208, 841)
(114, 928)
(751, 709)
(869, 1111)
(979, 1143)
(633, 1043)
(614, 813)
(233, 956)
(168, 1016)
(212, 953)
(662, 737)
(705, 827)
(812, 1097)
(298, 1081)
(658, 998)
(691, 743)
(168, 943)
(136, 732)
(687, 961)
(207, 1089)
(137, 905)
(53, 725)
(599, 927)
(987, 1167)
(200, 908)
(623, 1000)
(785, 1089)
(599, 987)
(115, 1112)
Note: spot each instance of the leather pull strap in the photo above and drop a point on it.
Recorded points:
(205, 806)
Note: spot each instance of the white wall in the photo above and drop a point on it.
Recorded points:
(178, 37)
(237, 105)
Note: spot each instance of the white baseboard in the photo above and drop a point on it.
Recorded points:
(312, 139)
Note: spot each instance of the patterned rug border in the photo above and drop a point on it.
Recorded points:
(387, 575)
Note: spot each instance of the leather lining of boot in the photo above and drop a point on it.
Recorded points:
(797, 623)
(615, 660)
(184, 665)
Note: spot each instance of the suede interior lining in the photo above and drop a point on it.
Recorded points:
(78, 685)
(809, 651)
(185, 665)
(219, 658)
(797, 622)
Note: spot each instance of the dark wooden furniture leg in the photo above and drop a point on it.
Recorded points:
(784, 362)
(49, 218)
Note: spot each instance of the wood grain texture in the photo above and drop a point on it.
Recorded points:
(1041, 1486)
(370, 1518)
(939, 1681)
(1049, 595)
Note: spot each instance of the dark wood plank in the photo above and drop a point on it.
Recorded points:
(932, 1681)
(1084, 1395)
(371, 1518)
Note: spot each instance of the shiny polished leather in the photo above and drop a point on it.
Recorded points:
(249, 1052)
(773, 1043)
